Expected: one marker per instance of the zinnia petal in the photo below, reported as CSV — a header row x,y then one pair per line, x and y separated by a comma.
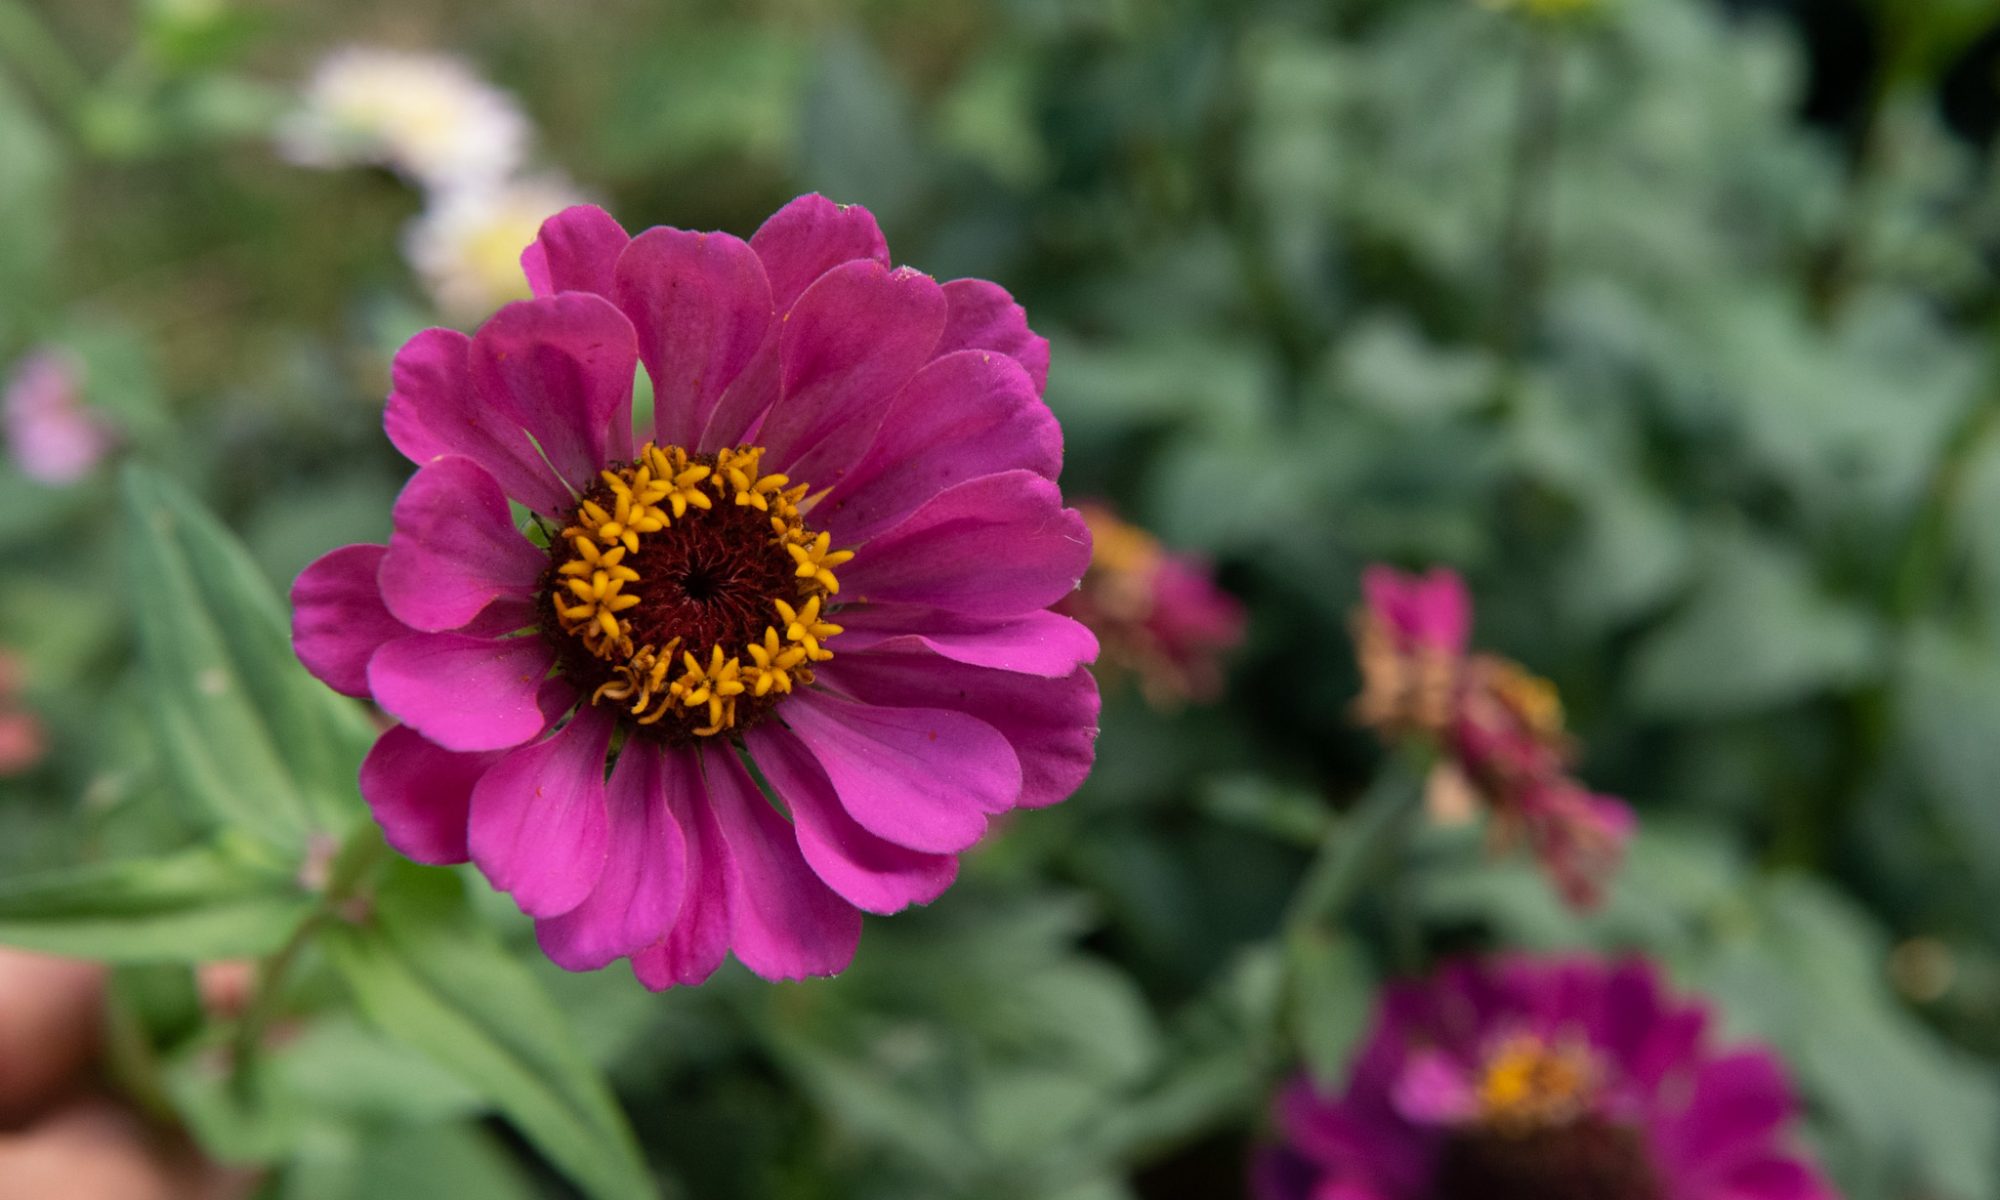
x,y
700,937
464,693
421,794
539,828
811,236
702,308
338,618
1034,643
638,897
561,368
433,411
455,548
576,251
984,317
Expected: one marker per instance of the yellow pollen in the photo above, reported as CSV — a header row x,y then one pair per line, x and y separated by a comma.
x,y
596,589
1530,1084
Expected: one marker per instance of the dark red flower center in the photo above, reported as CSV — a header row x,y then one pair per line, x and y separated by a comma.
x,y
688,592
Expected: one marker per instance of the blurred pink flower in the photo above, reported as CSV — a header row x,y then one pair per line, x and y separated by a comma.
x,y
683,592
51,435
1566,1079
1157,614
23,742
1499,727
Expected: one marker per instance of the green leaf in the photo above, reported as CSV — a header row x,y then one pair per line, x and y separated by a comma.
x,y
1332,991
194,906
249,739
431,976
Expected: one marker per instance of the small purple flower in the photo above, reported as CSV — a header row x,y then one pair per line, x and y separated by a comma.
x,y
829,560
1564,1079
51,435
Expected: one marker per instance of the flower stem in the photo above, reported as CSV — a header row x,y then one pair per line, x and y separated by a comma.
x,y
352,870
1357,848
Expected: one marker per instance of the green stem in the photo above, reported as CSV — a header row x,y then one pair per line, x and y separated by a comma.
x,y
1357,848
351,871
1524,229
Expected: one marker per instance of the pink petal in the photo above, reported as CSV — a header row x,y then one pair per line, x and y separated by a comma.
x,y
539,829
786,923
464,693
338,620
1739,1101
1775,1178
1432,610
869,873
561,369
984,317
700,937
922,778
433,411
811,236
702,308
854,339
1051,723
963,416
421,794
455,548
638,898
576,251
998,546
1035,643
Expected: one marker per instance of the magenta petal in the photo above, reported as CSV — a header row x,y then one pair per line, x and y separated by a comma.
x,y
539,830
984,317
338,620
998,546
1774,1178
1036,643
433,411
786,923
869,873
638,897
455,548
922,778
1051,723
561,369
702,308
421,794
1739,1100
576,251
963,416
811,236
847,347
464,693
700,937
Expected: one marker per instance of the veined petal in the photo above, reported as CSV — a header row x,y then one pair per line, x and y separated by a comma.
x,y
922,778
464,693
984,317
638,898
455,549
1035,643
702,308
433,410
872,874
785,922
700,937
561,369
811,236
421,794
576,251
538,827
338,618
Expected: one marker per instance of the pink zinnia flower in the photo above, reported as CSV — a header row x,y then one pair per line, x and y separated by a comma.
x,y
1499,728
51,435
1159,614
830,559
1543,1079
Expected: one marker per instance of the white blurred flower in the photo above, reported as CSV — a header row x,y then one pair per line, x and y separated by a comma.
x,y
51,435
427,116
467,245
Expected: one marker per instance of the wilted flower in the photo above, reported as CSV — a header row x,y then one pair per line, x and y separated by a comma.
x,y
1556,1079
1158,614
466,245
427,116
51,435
830,560
1500,728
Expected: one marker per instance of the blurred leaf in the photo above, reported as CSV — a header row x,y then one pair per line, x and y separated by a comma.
x,y
1332,996
857,135
248,737
195,906
1948,711
428,974
1757,633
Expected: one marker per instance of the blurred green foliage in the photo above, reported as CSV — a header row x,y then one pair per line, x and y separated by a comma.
x,y
1704,401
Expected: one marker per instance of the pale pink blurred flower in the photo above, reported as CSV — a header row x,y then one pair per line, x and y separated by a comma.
x,y
51,435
